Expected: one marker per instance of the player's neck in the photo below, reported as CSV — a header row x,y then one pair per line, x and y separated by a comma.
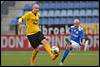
x,y
76,27
34,13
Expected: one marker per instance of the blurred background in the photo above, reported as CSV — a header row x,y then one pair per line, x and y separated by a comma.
x,y
55,19
52,13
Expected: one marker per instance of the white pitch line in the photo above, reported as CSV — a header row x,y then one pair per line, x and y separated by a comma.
x,y
46,54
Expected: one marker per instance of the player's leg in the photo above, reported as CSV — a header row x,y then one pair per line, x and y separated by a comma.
x,y
34,53
66,52
34,44
86,46
48,49
70,44
42,40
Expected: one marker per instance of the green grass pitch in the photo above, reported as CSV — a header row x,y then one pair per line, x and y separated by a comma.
x,y
75,58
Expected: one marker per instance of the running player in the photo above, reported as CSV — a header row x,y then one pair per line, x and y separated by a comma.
x,y
76,39
33,32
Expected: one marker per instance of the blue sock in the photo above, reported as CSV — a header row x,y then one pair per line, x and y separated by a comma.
x,y
65,54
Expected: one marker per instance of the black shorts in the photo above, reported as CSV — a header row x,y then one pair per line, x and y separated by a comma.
x,y
35,39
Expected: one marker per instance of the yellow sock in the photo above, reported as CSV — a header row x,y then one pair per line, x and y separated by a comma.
x,y
48,49
34,53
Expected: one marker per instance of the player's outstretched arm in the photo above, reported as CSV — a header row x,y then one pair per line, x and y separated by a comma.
x,y
25,16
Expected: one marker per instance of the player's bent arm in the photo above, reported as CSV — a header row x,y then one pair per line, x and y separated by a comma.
x,y
24,17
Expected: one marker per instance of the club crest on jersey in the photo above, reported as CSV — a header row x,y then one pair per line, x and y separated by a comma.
x,y
35,21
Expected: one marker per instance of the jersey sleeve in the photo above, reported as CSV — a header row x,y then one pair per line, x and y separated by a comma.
x,y
24,17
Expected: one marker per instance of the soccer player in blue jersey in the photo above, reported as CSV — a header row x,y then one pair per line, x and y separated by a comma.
x,y
75,40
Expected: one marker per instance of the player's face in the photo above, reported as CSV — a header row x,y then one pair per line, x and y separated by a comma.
x,y
76,24
35,8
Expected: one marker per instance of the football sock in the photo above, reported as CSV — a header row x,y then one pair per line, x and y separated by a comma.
x,y
65,54
34,53
48,49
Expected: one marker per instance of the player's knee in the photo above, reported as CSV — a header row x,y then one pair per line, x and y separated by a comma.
x,y
36,48
44,41
68,47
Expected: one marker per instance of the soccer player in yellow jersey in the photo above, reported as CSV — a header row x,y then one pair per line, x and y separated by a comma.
x,y
33,32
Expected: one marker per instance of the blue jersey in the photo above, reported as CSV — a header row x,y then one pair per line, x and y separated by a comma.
x,y
77,34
